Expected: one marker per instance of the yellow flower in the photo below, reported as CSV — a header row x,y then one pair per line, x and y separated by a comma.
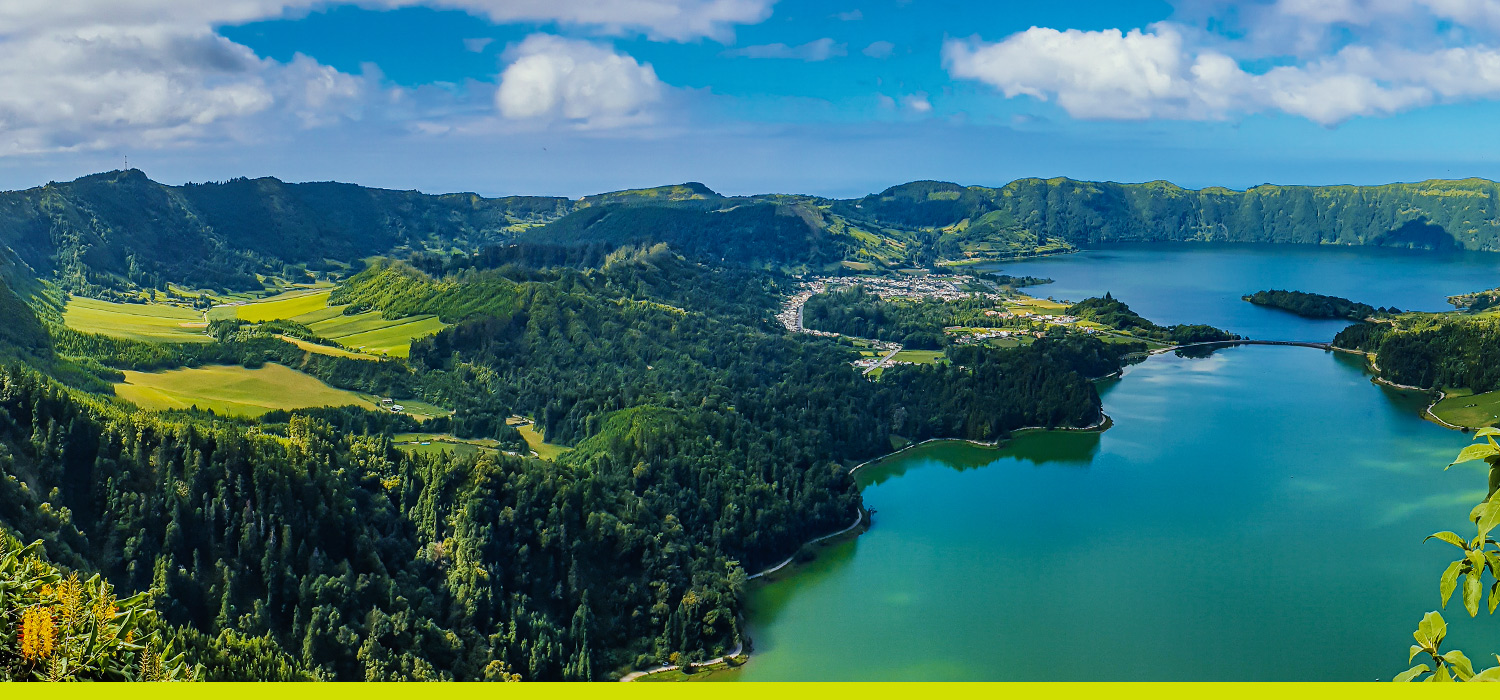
x,y
38,633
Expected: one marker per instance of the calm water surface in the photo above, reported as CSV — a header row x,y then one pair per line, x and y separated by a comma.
x,y
1254,515
1203,283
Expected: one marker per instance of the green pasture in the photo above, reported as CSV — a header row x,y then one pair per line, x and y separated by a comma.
x,y
145,322
233,390
1463,407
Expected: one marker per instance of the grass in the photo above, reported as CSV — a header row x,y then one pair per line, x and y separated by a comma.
x,y
1463,407
542,448
283,306
368,332
921,357
438,443
326,349
160,323
233,390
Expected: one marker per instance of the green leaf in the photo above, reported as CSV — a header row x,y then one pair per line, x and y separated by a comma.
x,y
1431,630
1449,537
1490,675
1411,673
1476,560
1473,452
1472,592
1494,596
1460,664
1450,581
1486,432
1489,517
1414,651
1440,676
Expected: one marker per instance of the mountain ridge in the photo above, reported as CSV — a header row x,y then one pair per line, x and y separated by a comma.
x,y
122,230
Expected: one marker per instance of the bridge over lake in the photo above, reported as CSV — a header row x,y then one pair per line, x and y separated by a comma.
x,y
1224,344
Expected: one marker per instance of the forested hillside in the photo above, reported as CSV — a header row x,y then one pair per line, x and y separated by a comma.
x,y
120,230
1434,214
707,443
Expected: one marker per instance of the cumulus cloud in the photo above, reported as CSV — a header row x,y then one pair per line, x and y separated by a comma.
x,y
551,78
1170,72
92,74
818,50
917,103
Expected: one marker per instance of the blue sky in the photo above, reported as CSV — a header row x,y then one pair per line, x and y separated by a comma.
x,y
826,97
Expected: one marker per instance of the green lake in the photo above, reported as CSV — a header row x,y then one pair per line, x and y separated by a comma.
x,y
1257,514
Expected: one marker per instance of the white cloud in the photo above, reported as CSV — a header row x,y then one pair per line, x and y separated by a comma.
x,y
917,103
818,50
1161,74
555,79
879,49
851,16
95,74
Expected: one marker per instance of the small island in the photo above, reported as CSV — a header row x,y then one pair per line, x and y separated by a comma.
x,y
1311,305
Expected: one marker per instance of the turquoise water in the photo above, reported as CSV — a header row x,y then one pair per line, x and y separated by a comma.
x,y
1257,514
1203,283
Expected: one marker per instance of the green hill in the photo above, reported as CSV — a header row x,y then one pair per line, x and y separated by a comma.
x,y
120,230
1433,214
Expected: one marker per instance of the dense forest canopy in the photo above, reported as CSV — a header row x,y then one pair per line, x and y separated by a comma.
x,y
1313,305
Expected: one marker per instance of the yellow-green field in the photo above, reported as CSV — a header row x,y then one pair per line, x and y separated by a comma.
x,y
437,443
288,305
921,357
147,322
326,349
1463,407
232,390
543,449
367,332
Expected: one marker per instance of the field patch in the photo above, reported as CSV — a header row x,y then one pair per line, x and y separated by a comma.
x,y
542,448
233,390
1462,407
920,357
152,323
437,443
371,333
325,349
283,306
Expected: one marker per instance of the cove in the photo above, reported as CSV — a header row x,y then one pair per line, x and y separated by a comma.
x,y
1253,515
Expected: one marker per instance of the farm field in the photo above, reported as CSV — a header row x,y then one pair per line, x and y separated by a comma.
x,y
369,332
542,448
145,322
233,390
921,357
438,443
325,349
1462,407
288,305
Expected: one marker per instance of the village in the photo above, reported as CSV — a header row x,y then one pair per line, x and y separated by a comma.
x,y
1032,322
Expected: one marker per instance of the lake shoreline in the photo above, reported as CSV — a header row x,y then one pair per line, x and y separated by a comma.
x,y
739,655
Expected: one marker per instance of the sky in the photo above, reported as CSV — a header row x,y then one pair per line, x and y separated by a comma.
x,y
827,97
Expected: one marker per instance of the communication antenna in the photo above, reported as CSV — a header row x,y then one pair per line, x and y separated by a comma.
x,y
127,162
